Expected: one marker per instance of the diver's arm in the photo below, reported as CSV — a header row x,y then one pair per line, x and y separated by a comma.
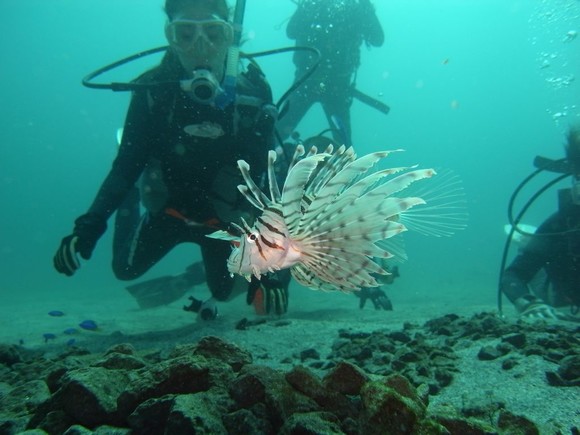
x,y
297,22
130,161
373,33
527,264
92,225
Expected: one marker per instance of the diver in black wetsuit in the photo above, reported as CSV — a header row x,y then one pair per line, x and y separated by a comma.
x,y
178,156
555,247
337,28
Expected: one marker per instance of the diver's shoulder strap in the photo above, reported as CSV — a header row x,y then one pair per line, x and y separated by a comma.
x,y
253,82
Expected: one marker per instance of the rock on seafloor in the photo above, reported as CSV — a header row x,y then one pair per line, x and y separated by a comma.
x,y
214,387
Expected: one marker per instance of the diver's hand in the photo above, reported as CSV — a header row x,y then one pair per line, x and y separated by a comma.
x,y
88,229
269,296
66,259
378,297
206,310
539,310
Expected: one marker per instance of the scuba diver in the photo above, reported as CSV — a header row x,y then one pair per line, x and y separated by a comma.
x,y
337,29
190,120
553,251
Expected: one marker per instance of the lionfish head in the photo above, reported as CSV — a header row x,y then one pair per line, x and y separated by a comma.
x,y
258,251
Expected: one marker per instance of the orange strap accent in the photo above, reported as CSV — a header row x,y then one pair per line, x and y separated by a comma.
x,y
211,223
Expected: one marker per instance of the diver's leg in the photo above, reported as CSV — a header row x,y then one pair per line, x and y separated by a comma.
x,y
215,254
298,104
152,238
127,219
336,104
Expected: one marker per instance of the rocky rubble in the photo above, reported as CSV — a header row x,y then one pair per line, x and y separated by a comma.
x,y
372,383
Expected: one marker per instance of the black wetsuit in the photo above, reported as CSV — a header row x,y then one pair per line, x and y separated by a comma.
x,y
558,254
180,156
337,29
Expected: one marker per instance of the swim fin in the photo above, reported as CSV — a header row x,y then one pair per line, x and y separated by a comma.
x,y
166,289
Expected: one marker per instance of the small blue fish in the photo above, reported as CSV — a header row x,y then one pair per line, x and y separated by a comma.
x,y
89,325
70,331
48,336
71,342
56,313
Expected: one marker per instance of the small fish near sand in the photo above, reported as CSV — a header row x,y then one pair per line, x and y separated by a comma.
x,y
330,222
48,336
89,325
56,313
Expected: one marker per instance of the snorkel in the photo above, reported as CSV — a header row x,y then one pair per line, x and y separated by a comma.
x,y
230,80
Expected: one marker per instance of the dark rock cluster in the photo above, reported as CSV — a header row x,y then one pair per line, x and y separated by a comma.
x,y
557,343
372,383
426,355
408,352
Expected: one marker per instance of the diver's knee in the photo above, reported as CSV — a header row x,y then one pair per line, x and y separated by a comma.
x,y
124,273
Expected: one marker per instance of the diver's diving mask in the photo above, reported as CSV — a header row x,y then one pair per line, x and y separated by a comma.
x,y
184,34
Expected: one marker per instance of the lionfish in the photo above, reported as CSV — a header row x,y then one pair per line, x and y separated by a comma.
x,y
328,222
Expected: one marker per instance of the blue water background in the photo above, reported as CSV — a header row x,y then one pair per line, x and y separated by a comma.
x,y
463,79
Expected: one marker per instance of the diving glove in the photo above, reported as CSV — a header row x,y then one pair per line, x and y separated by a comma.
x,y
206,310
377,296
535,308
88,229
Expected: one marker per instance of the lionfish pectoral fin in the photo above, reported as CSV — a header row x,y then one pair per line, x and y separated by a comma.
x,y
223,235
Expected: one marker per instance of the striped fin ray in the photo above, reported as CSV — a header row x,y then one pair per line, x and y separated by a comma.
x,y
308,279
346,240
350,195
343,255
363,206
340,184
330,168
349,273
272,183
251,191
396,247
446,209
294,186
298,152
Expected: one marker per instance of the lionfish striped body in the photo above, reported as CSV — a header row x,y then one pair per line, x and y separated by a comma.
x,y
326,222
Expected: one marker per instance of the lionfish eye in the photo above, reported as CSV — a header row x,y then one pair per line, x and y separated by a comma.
x,y
252,237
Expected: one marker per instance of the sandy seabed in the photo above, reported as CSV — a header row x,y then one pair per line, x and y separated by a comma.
x,y
313,322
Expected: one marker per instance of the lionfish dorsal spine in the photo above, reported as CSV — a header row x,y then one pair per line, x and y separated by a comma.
x,y
272,181
329,168
251,191
339,184
298,152
294,188
404,180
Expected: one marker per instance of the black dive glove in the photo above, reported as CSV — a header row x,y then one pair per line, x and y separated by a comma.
x,y
88,229
378,297
268,295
